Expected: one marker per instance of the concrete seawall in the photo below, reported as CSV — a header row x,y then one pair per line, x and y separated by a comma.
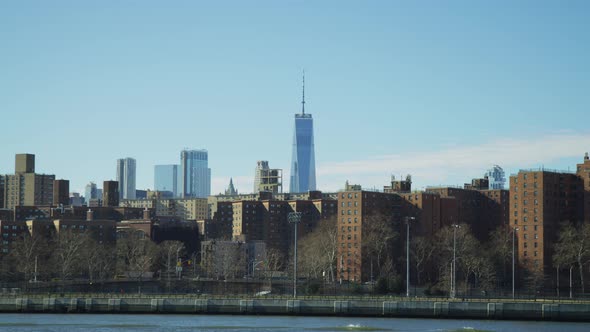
x,y
326,307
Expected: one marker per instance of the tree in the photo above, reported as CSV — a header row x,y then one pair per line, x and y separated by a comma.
x,y
99,260
421,249
66,254
171,251
571,249
378,237
467,250
317,251
27,254
137,255
499,249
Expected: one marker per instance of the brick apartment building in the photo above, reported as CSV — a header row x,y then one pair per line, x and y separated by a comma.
x,y
540,201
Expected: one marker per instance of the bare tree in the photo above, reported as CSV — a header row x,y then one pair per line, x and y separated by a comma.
x,y
317,251
66,254
171,251
378,237
422,250
99,260
572,248
137,255
499,250
27,254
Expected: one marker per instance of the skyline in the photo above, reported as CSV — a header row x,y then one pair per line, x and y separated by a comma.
x,y
439,91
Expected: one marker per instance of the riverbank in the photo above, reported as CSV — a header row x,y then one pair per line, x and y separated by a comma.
x,y
536,310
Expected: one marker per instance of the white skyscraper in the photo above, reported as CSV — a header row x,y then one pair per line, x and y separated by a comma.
x,y
126,178
195,173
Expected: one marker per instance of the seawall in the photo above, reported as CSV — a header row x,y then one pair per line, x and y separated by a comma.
x,y
537,310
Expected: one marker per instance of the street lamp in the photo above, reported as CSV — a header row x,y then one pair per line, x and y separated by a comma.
x,y
514,229
408,219
454,267
294,218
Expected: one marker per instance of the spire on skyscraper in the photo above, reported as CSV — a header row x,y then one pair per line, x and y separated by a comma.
x,y
303,99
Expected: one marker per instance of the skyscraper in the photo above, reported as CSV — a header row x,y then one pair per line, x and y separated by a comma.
x,y
166,179
91,192
302,177
126,178
195,173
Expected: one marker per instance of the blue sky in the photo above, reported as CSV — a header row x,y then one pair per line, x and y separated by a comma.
x,y
438,89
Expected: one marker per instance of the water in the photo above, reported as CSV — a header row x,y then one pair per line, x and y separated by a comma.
x,y
225,323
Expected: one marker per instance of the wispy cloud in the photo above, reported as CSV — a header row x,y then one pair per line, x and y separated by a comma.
x,y
454,164
451,165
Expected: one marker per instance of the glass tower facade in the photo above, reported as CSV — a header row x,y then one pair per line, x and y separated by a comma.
x,y
126,178
167,179
302,177
195,173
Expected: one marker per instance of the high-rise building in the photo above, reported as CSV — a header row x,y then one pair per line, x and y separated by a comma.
x,y
167,178
540,200
195,173
302,176
266,179
25,187
61,192
126,178
110,195
91,192
583,171
496,177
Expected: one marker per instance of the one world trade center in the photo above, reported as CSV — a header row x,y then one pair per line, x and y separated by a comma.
x,y
302,178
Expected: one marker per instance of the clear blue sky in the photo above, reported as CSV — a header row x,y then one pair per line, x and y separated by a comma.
x,y
440,89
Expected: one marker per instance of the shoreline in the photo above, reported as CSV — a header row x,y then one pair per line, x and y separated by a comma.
x,y
394,308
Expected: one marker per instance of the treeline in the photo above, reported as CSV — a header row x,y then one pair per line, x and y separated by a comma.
x,y
77,256
480,266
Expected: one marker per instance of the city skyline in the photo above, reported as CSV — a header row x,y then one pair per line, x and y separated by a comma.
x,y
442,92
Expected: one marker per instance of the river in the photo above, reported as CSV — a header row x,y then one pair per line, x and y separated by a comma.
x,y
226,323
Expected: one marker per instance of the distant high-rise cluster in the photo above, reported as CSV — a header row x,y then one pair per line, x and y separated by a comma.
x,y
195,173
302,177
126,178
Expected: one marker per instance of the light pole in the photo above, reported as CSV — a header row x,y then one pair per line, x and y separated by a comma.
x,y
514,229
294,218
454,267
408,219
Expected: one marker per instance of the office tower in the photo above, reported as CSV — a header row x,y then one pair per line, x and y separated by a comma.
x,y
303,158
496,177
166,178
61,192
126,178
25,187
195,173
91,192
110,193
266,179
